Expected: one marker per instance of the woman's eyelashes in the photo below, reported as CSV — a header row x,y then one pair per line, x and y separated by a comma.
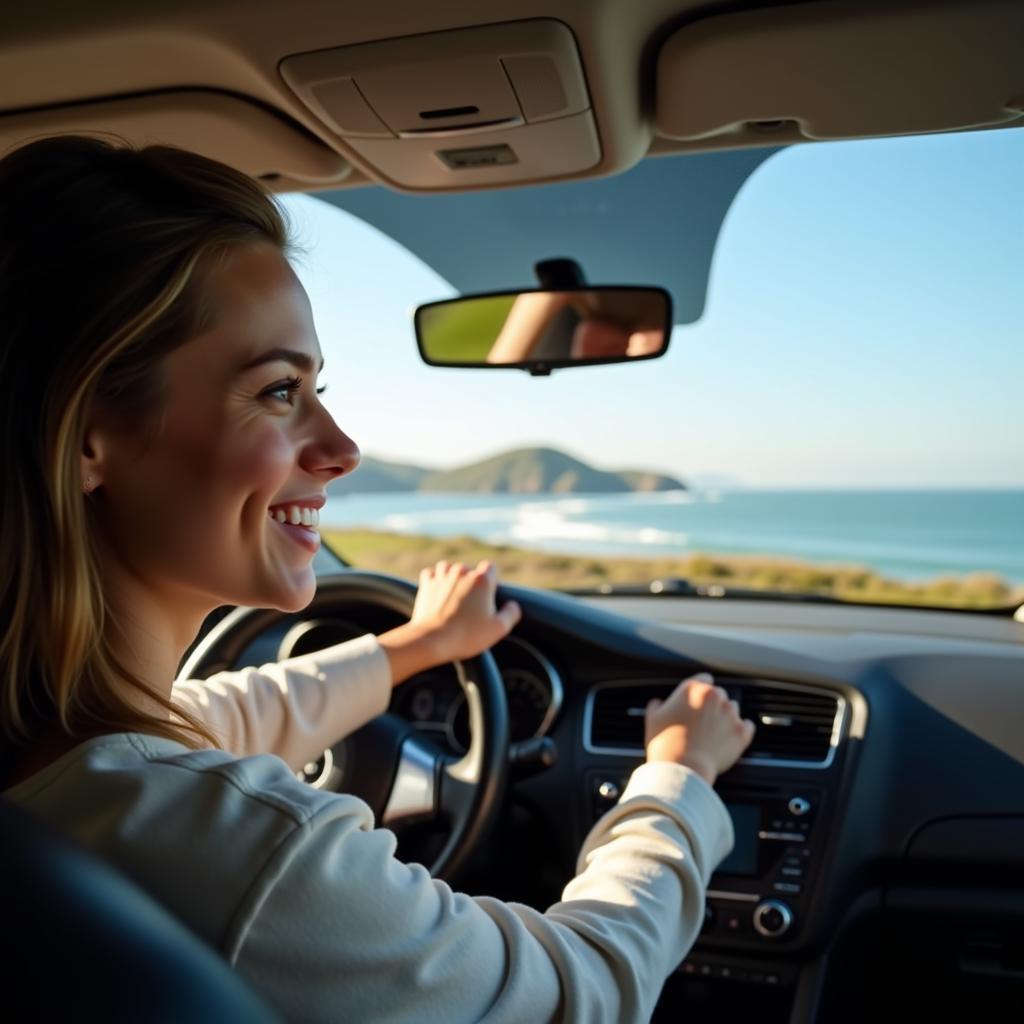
x,y
286,390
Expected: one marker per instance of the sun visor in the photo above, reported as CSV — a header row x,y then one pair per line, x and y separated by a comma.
x,y
228,128
840,71
494,105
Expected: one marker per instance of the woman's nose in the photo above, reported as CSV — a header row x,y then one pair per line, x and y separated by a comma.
x,y
330,452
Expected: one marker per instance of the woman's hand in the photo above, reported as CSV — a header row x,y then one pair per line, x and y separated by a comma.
x,y
457,603
697,726
454,617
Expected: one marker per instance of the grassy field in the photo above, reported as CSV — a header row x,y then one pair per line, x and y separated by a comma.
x,y
464,332
406,554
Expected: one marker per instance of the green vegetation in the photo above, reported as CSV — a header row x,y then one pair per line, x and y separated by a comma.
x,y
521,471
404,555
464,331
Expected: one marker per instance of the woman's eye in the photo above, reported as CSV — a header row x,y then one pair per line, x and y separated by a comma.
x,y
284,390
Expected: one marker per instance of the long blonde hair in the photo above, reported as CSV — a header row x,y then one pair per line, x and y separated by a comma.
x,y
103,254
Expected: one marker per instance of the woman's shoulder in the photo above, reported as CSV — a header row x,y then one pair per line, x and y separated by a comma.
x,y
134,772
257,782
195,828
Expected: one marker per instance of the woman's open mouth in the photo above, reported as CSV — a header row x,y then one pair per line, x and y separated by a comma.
x,y
300,522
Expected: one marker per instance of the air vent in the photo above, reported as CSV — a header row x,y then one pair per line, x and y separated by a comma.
x,y
795,725
617,714
792,725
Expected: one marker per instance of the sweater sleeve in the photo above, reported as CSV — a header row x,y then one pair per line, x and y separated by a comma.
x,y
294,708
338,928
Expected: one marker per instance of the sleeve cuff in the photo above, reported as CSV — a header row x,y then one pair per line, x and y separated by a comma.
x,y
681,793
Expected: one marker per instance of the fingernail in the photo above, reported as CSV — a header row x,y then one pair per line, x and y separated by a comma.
x,y
704,677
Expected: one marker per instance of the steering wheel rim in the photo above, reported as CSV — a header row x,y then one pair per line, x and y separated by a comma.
x,y
424,782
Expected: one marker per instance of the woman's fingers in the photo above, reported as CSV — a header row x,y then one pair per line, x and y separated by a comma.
x,y
508,615
461,602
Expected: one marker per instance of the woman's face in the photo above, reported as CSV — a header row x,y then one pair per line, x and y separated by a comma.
x,y
191,510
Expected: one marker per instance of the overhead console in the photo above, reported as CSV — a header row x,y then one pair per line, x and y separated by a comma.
x,y
495,105
837,70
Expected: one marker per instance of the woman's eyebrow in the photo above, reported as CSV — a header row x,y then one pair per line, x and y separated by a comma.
x,y
300,360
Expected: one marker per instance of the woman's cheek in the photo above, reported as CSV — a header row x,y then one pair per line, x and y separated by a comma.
x,y
263,465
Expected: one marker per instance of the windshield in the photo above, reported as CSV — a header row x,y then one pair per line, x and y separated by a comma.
x,y
837,415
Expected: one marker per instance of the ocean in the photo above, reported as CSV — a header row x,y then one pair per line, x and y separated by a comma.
x,y
905,534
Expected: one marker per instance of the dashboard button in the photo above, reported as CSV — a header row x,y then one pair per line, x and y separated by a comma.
x,y
788,887
732,921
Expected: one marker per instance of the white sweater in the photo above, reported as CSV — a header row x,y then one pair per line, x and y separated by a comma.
x,y
301,893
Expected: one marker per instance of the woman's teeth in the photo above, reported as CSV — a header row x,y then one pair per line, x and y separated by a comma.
x,y
295,515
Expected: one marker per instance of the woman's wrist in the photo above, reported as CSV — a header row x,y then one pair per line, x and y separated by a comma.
x,y
702,766
411,648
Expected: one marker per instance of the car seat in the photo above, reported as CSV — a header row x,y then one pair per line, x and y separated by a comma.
x,y
78,940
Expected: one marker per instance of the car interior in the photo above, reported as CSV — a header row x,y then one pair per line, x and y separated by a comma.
x,y
878,869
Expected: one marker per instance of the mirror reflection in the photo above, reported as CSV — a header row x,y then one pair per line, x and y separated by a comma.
x,y
545,328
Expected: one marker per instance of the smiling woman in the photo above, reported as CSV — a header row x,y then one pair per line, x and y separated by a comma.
x,y
123,236
178,454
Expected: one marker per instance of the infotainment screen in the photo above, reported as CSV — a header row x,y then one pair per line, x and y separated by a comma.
x,y
746,821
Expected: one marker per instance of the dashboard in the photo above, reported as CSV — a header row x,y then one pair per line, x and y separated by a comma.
x,y
879,814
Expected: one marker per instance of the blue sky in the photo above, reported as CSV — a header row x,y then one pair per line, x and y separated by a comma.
x,y
863,328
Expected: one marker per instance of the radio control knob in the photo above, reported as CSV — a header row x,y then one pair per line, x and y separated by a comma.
x,y
608,791
772,918
798,807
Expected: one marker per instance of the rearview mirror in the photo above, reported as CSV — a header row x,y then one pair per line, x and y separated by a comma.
x,y
539,331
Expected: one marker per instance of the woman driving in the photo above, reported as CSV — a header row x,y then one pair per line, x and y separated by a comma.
x,y
165,452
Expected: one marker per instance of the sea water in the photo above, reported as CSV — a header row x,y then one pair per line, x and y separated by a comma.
x,y
907,534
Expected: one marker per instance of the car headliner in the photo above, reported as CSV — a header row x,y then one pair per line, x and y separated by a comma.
x,y
657,224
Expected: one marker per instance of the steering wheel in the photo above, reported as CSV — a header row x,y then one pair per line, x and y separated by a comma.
x,y
402,775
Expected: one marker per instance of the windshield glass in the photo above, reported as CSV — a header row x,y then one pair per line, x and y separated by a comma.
x,y
837,415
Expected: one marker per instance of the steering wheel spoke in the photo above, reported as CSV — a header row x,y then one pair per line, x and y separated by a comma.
x,y
415,793
458,780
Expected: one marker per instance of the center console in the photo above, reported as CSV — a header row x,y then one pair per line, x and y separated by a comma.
x,y
758,897
760,891
761,915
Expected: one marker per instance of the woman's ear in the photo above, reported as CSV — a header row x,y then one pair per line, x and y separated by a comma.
x,y
92,463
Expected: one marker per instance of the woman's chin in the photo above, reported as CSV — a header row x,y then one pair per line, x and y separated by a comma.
x,y
294,594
